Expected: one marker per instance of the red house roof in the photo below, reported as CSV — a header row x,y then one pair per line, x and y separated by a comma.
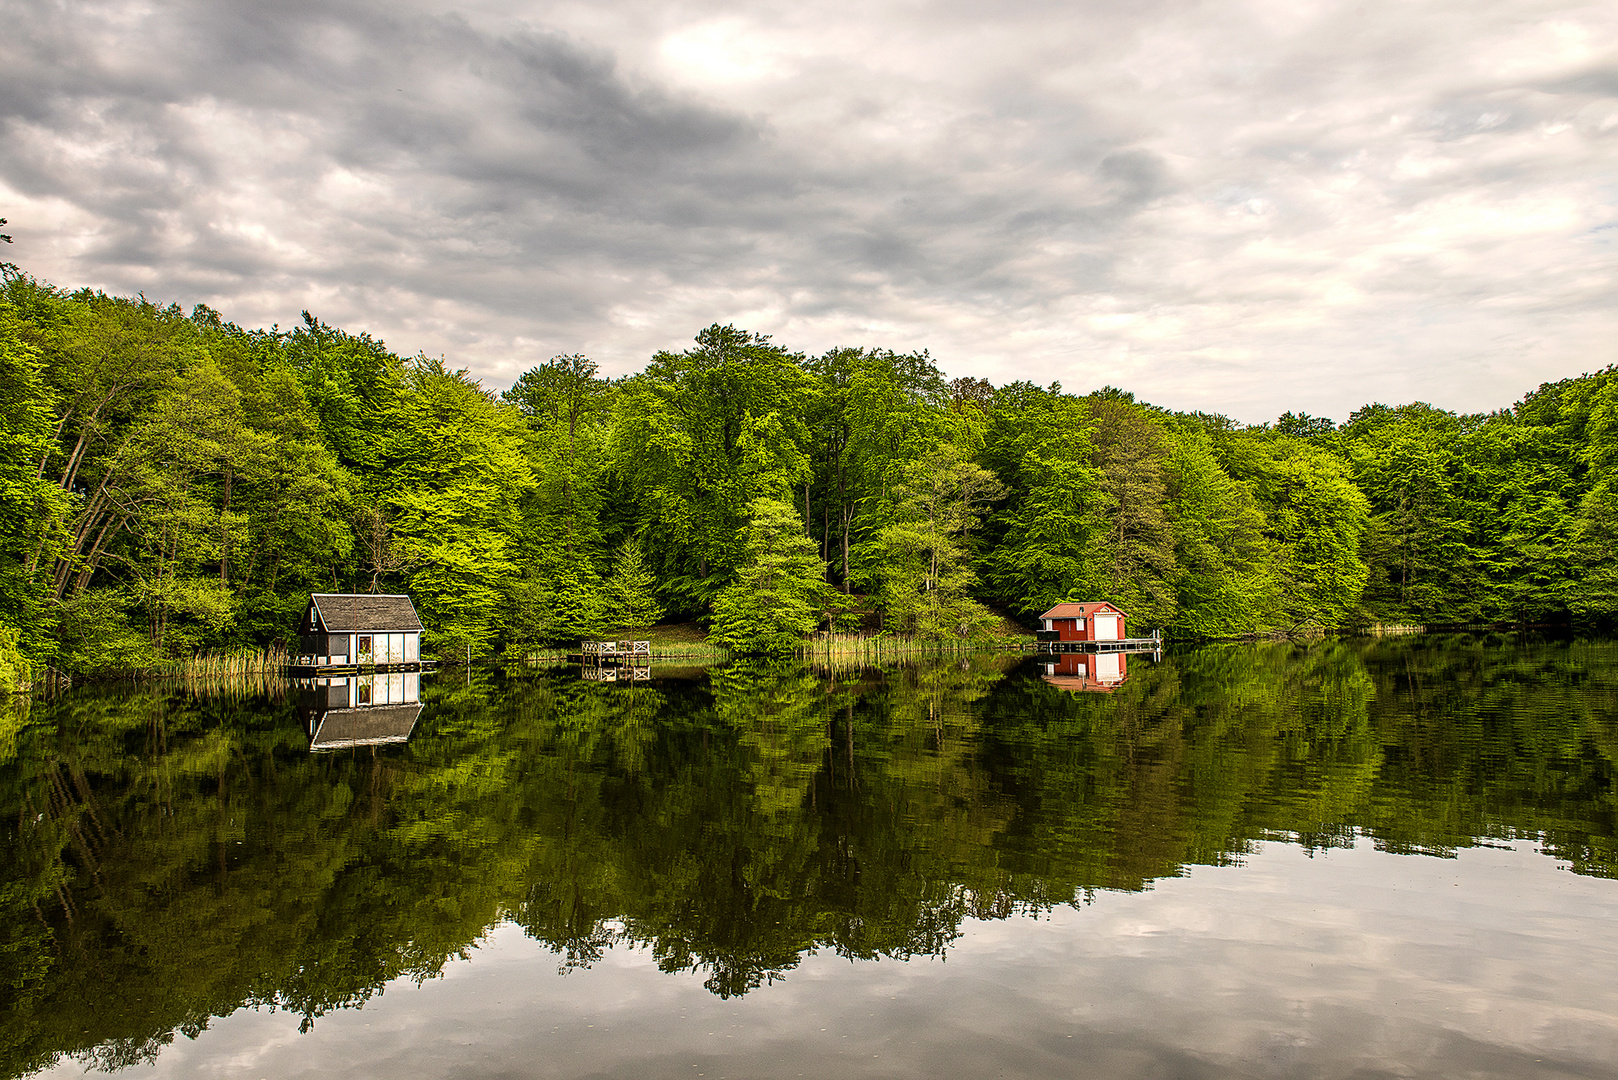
x,y
1079,611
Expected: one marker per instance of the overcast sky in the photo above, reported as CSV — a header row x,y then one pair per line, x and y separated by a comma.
x,y
1240,206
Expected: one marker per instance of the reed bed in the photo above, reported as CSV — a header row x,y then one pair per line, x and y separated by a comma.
x,y
272,684
854,649
226,665
689,650
545,657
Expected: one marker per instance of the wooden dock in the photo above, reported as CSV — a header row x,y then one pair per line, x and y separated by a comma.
x,y
301,667
615,661
1145,644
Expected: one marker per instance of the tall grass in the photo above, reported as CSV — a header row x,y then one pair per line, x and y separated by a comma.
x,y
270,661
544,657
875,649
699,651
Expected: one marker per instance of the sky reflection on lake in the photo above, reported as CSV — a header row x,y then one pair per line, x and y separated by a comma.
x,y
1353,962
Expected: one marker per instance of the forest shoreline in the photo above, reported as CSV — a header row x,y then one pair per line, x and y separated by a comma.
x,y
174,486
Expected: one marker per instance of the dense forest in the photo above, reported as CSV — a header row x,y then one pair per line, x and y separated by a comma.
x,y
171,482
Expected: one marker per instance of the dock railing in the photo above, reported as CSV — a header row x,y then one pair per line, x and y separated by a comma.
x,y
628,650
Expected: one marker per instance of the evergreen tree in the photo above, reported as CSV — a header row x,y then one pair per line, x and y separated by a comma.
x,y
926,567
631,590
775,599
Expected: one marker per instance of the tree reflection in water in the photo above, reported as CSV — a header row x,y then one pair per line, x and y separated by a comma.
x,y
173,855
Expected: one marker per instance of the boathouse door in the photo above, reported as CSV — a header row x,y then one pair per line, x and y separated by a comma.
x,y
1106,627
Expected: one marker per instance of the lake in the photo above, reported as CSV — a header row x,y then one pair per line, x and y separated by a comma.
x,y
1336,858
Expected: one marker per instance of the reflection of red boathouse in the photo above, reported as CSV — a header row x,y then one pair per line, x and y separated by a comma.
x,y
1103,672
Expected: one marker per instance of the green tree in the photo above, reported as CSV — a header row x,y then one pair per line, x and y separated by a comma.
x,y
1223,583
1046,540
696,437
32,509
774,602
457,476
924,554
631,595
1315,521
1137,569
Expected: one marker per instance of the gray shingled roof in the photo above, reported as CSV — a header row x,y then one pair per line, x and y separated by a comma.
x,y
1072,610
364,611
365,727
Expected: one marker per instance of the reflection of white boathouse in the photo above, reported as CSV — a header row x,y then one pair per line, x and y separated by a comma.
x,y
358,630
345,711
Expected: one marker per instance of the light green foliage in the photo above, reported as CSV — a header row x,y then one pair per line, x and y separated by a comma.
x,y
1223,562
456,476
1411,464
926,577
16,670
630,591
172,465
1315,521
775,598
95,633
350,383
881,411
565,409
1137,567
32,509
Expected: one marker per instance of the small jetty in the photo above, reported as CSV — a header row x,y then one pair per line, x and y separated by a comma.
x,y
1145,644
350,633
615,661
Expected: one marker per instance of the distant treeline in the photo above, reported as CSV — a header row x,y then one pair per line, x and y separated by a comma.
x,y
172,482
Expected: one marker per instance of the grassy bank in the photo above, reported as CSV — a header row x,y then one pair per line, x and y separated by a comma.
x,y
686,642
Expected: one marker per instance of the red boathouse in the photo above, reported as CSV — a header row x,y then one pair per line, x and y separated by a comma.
x,y
1092,620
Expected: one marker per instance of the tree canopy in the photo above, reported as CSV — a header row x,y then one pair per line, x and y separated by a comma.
x,y
173,482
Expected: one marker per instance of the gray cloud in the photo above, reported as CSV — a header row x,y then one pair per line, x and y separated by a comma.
x,y
1247,207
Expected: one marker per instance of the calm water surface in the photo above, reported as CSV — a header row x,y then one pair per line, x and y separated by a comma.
x,y
1363,858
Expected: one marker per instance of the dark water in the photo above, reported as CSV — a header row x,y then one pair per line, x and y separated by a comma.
x,y
1364,858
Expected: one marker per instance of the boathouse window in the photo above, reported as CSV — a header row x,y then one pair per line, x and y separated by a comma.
x,y
365,644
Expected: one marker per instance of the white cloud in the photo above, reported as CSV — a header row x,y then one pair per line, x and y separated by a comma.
x,y
1246,207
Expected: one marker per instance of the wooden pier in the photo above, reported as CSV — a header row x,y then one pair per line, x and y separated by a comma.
x,y
305,666
615,661
1146,644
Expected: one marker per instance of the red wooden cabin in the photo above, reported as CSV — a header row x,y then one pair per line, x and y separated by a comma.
x,y
1092,620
